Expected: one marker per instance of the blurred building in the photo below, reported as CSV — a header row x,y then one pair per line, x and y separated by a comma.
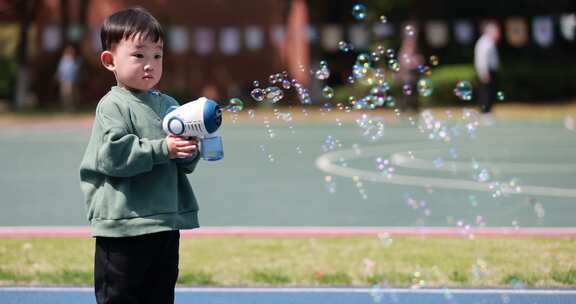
x,y
217,48
213,48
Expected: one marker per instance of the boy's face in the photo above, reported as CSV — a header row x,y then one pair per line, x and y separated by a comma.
x,y
136,63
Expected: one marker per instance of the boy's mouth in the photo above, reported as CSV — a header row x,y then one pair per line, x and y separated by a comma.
x,y
148,77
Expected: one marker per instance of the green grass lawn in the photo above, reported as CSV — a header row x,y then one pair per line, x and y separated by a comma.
x,y
346,261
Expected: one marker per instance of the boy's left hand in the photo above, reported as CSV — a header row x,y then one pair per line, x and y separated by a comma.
x,y
184,147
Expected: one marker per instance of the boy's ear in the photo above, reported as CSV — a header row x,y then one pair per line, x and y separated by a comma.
x,y
107,59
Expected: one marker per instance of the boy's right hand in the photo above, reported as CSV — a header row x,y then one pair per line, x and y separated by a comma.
x,y
179,147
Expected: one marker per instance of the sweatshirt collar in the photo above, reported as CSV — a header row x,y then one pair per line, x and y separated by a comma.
x,y
142,96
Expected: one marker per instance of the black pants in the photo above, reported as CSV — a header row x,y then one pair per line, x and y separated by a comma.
x,y
487,93
140,269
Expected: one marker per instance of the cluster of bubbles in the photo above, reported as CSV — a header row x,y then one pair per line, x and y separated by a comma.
x,y
436,129
374,70
418,280
269,155
323,72
282,116
359,11
385,167
330,144
275,91
417,205
465,229
235,105
330,184
345,47
360,187
463,90
372,127
270,132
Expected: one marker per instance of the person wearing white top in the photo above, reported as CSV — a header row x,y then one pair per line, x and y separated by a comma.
x,y
486,62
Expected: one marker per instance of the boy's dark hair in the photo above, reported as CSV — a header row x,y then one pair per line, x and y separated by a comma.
x,y
128,23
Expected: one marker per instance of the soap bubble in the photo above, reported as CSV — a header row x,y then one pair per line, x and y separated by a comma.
x,y
407,89
273,94
424,70
500,95
372,127
330,184
363,59
256,83
425,88
330,143
327,92
393,65
463,90
380,76
257,94
483,176
344,47
383,19
286,84
251,114
359,11
235,105
409,30
434,60
378,93
359,71
323,73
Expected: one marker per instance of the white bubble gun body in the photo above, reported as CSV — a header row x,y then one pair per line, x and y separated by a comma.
x,y
200,118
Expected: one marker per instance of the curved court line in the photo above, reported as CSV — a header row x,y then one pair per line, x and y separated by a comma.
x,y
403,159
326,163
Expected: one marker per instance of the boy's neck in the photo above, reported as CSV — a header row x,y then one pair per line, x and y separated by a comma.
x,y
132,90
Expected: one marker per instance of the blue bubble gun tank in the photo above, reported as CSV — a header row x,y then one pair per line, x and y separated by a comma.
x,y
200,118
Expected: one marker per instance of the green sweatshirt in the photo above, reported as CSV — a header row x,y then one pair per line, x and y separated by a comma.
x,y
130,184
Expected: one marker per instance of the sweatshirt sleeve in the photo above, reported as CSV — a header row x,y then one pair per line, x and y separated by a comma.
x,y
188,164
122,154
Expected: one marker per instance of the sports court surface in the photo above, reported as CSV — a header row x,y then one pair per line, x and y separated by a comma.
x,y
516,174
318,174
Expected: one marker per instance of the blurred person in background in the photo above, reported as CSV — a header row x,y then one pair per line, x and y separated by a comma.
x,y
67,74
486,63
410,59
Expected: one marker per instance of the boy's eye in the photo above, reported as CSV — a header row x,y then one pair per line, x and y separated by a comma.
x,y
157,56
138,55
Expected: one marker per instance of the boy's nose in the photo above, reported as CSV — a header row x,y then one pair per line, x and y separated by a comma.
x,y
148,67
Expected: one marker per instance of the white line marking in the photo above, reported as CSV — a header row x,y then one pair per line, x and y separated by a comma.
x,y
326,163
313,290
403,159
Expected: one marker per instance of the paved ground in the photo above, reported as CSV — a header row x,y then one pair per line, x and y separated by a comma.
x,y
307,185
306,295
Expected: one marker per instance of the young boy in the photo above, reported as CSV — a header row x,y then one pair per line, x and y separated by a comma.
x,y
137,196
